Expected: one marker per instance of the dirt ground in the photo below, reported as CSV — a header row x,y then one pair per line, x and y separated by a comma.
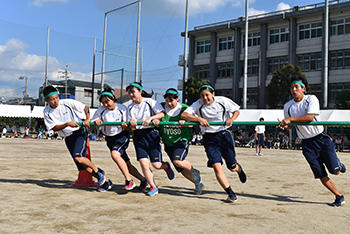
x,y
280,195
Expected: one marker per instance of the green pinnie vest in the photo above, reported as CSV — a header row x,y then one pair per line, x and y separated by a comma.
x,y
174,133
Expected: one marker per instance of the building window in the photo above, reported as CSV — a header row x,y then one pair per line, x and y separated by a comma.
x,y
253,67
252,96
201,72
224,92
87,93
224,70
340,26
340,59
279,35
253,39
203,46
276,63
307,31
225,43
310,62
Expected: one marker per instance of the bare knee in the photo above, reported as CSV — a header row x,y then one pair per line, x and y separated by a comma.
x,y
157,165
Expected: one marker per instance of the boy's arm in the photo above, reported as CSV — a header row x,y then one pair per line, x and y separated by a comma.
x,y
233,118
189,117
297,119
86,122
59,127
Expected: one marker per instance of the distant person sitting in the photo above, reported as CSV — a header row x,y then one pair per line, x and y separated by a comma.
x,y
260,137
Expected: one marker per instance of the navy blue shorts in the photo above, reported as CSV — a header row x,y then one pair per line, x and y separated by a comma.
x,y
260,139
319,152
178,151
76,144
147,143
119,143
220,145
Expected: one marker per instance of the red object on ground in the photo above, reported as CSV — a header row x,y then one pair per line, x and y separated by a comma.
x,y
84,177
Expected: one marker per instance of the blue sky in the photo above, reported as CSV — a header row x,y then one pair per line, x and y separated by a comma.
x,y
74,23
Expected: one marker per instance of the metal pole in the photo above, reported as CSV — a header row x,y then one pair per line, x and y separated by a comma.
x,y
93,74
137,40
121,85
325,58
245,78
184,78
47,54
103,51
26,87
141,64
66,81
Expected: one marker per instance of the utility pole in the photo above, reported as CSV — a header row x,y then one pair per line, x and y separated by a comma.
x,y
25,94
325,56
184,78
65,76
93,74
138,41
47,54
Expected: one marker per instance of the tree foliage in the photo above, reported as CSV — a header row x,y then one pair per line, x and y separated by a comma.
x,y
343,99
278,90
192,86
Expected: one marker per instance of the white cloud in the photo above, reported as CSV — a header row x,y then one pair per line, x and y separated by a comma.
x,y
282,6
252,11
40,3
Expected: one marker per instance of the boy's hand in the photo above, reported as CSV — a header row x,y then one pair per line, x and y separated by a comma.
x,y
229,122
98,122
133,122
156,122
182,122
125,126
203,122
72,124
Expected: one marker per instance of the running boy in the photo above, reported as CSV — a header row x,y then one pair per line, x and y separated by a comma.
x,y
62,116
217,140
117,137
176,139
317,146
146,139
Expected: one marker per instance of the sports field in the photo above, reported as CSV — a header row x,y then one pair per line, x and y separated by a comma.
x,y
280,195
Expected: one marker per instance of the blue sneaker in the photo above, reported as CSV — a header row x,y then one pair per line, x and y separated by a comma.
x,y
196,176
199,188
152,192
169,171
241,174
105,187
342,168
231,198
100,177
339,201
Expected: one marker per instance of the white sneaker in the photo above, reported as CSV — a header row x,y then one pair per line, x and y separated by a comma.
x,y
257,154
260,154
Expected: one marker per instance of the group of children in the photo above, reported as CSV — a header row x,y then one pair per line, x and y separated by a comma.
x,y
63,116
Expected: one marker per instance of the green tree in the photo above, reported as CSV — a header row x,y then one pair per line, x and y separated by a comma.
x,y
278,89
343,99
192,86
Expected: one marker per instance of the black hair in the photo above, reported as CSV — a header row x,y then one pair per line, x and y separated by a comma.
x,y
171,96
49,89
205,86
143,93
261,119
107,90
302,79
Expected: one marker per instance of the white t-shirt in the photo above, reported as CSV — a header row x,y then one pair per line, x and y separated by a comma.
x,y
309,105
119,114
147,108
260,129
66,111
173,112
220,110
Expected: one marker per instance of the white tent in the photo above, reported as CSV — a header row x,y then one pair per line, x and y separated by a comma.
x,y
15,111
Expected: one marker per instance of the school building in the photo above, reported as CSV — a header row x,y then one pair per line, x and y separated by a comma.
x,y
295,36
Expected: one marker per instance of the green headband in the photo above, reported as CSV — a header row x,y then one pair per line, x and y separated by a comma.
x,y
172,92
107,94
299,82
207,86
137,86
50,94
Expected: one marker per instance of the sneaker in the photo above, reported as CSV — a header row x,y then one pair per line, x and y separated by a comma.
x,y
100,177
257,154
242,176
196,176
152,192
339,200
129,185
143,185
169,171
342,168
231,198
260,154
198,188
105,187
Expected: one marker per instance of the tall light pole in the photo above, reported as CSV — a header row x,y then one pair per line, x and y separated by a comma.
x,y
65,76
138,41
245,78
325,56
184,78
47,54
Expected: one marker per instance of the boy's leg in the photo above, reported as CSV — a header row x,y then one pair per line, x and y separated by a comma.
x,y
117,158
220,175
144,163
330,185
134,172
